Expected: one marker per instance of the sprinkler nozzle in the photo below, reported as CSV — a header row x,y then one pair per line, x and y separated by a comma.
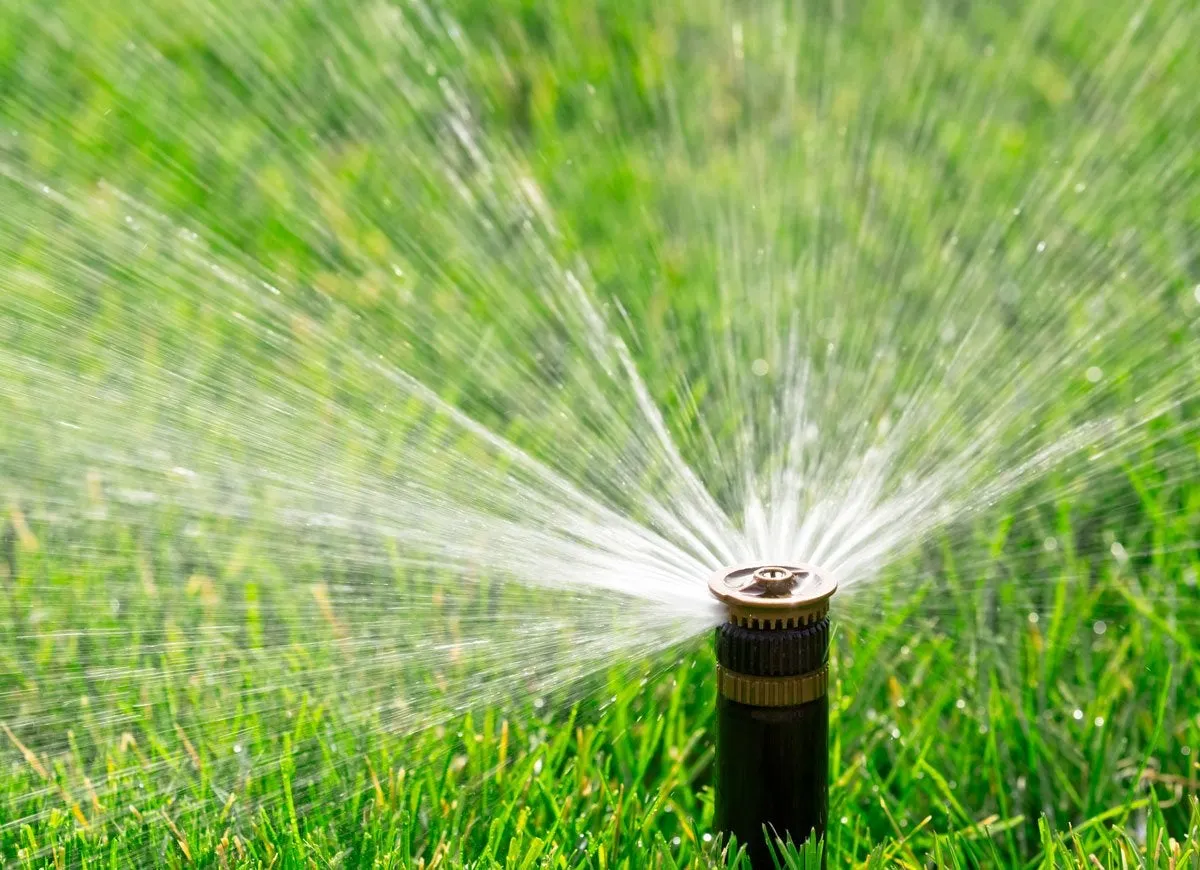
x,y
773,596
775,580
772,708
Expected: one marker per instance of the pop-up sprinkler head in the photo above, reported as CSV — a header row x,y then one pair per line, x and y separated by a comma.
x,y
772,709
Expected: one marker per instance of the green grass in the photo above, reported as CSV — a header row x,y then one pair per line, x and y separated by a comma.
x,y
997,700
951,744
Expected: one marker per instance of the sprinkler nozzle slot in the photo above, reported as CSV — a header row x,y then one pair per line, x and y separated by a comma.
x,y
772,707
775,580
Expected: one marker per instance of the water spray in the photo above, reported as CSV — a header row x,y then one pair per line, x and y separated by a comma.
x,y
772,705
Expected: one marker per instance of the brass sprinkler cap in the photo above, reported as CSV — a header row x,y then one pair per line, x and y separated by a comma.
x,y
773,596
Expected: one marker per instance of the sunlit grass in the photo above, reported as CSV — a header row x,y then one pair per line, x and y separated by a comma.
x,y
971,718
190,681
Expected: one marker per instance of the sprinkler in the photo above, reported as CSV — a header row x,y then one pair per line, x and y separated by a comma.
x,y
772,707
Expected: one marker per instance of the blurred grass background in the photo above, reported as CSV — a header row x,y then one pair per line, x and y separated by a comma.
x,y
1022,692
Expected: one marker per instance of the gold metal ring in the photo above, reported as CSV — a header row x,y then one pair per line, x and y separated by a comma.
x,y
773,691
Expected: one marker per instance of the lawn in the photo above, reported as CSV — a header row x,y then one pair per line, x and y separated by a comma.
x,y
264,267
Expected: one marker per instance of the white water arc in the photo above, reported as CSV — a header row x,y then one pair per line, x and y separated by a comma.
x,y
466,420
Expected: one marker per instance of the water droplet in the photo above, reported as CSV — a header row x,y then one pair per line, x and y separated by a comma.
x,y
1098,721
1099,627
760,367
1021,783
237,749
1050,544
1187,750
707,837
1041,246
1080,187
676,841
1094,374
1118,551
1033,617
1078,714
961,703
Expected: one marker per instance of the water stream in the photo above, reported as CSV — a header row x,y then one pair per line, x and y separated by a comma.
x,y
418,360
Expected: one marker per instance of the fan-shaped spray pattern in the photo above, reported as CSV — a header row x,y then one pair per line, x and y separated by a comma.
x,y
403,401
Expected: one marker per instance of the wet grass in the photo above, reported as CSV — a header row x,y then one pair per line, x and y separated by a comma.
x,y
1021,692
1051,724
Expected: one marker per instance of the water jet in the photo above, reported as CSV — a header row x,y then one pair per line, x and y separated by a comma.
x,y
772,704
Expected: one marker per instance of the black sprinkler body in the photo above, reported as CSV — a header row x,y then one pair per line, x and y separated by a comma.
x,y
772,706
